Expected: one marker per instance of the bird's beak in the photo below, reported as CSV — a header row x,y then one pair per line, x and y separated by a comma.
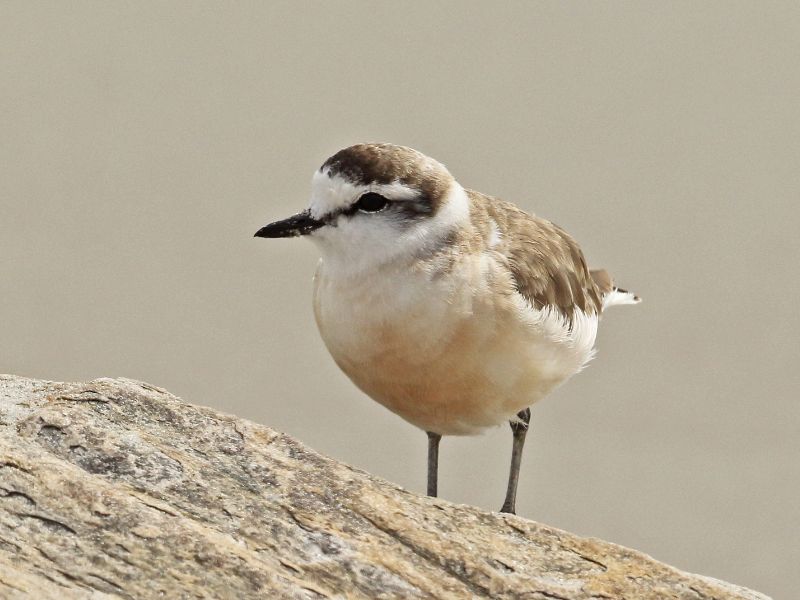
x,y
300,224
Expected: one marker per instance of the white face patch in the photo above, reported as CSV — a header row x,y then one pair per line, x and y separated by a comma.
x,y
354,244
333,193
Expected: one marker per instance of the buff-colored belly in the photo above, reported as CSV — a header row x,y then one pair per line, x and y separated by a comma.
x,y
444,362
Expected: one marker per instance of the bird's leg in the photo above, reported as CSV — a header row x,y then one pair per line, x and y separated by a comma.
x,y
518,429
433,462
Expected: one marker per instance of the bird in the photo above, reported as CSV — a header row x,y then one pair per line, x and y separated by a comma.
x,y
454,309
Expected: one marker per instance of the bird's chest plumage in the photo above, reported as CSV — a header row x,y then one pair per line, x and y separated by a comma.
x,y
440,351
389,326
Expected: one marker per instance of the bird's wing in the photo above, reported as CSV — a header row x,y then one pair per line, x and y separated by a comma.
x,y
547,265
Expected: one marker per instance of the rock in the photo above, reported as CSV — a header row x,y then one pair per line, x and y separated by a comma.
x,y
117,489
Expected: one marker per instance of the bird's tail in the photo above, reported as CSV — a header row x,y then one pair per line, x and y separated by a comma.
x,y
611,294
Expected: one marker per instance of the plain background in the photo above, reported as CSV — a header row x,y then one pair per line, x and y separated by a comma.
x,y
143,143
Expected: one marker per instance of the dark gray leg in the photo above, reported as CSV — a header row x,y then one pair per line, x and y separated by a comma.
x,y
433,462
519,430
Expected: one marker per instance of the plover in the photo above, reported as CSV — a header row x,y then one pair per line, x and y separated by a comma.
x,y
453,309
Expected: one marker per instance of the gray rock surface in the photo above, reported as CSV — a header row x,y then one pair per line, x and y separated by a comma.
x,y
117,489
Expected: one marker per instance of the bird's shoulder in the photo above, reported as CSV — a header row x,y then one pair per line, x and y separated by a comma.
x,y
546,263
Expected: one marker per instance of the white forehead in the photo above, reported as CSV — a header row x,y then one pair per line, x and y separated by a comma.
x,y
332,192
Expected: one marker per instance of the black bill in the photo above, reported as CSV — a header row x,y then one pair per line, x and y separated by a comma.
x,y
300,224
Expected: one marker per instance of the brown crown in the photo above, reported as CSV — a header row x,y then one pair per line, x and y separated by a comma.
x,y
364,164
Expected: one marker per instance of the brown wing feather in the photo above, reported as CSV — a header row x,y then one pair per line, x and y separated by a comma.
x,y
547,265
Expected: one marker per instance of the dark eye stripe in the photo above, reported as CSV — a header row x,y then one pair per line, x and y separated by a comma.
x,y
373,202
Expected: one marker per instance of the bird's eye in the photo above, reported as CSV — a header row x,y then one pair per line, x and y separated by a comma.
x,y
371,202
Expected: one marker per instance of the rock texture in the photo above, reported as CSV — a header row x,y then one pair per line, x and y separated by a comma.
x,y
117,489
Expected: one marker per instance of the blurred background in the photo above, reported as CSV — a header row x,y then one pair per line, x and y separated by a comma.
x,y
143,143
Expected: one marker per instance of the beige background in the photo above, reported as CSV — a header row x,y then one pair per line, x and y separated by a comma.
x,y
144,143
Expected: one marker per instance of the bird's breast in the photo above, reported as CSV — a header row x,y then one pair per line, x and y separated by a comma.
x,y
401,319
446,353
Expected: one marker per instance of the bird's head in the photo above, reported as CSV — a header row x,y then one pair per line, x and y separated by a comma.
x,y
374,203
